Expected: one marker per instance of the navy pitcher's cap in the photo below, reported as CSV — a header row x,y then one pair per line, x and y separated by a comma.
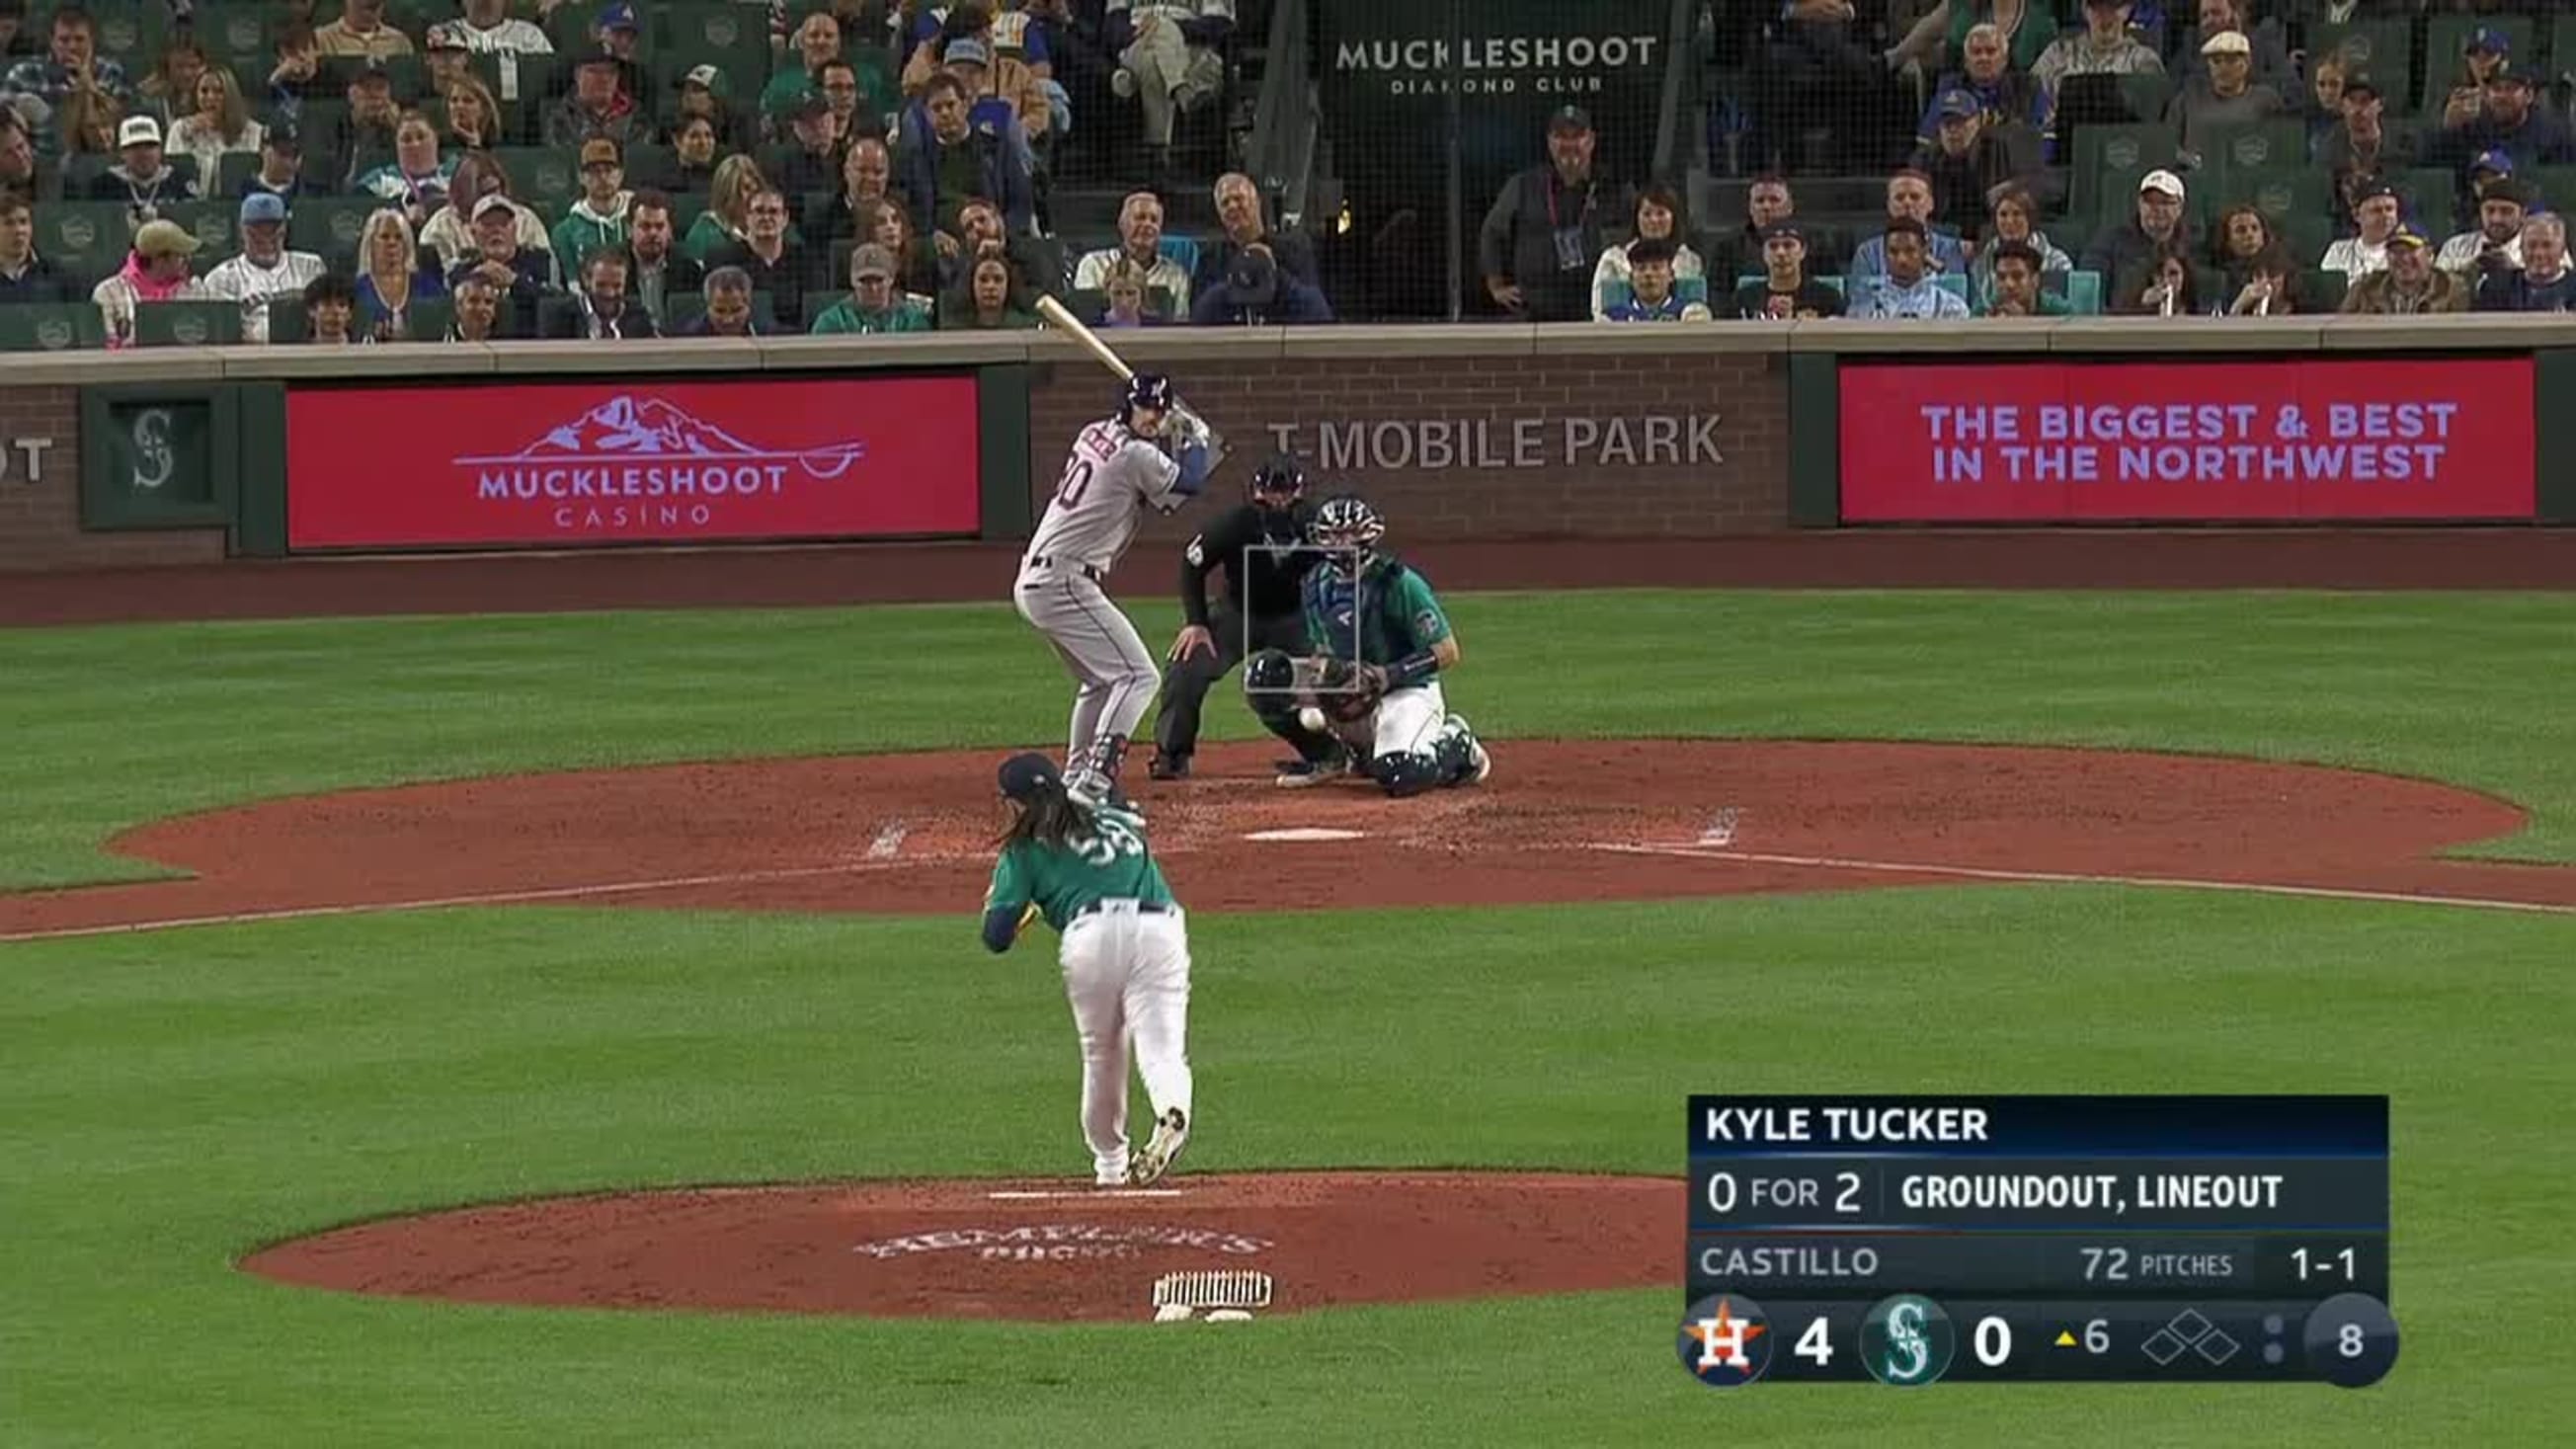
x,y
1025,775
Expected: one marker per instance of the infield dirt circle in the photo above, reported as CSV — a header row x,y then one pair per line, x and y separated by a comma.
x,y
912,833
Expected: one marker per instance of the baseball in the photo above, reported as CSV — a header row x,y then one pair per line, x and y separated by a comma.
x,y
1174,1313
1313,719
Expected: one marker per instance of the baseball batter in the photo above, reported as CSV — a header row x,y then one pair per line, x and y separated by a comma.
x,y
1371,691
1125,952
1150,453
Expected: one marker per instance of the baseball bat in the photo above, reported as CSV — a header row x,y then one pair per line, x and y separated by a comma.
x,y
1061,318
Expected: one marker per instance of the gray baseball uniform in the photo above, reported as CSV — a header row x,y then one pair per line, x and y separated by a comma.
x,y
1112,474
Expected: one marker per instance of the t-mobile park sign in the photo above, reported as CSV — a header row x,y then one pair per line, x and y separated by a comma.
x,y
1649,440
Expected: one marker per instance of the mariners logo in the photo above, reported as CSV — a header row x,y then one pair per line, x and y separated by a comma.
x,y
1726,1340
1907,1341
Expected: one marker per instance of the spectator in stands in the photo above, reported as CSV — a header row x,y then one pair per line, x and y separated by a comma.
x,y
1906,287
450,233
597,108
981,224
446,60
2166,290
1140,241
2495,244
418,177
368,133
866,168
1126,300
2375,211
23,172
705,91
265,270
658,270
1544,233
361,31
219,126
999,89
873,304
389,276
88,122
2484,52
142,178
1661,218
1785,292
729,308
600,309
281,166
330,313
16,41
2103,47
916,262
25,276
2269,46
487,29
1168,61
1814,69
986,304
2004,93
1967,165
817,40
156,270
2020,29
693,157
727,218
70,67
2509,122
937,169
2014,220
1909,198
809,161
774,258
2545,283
169,91
850,115
1256,293
297,76
2015,267
2321,103
1766,200
1240,225
478,312
470,118
2410,284
2241,234
521,272
2126,253
1652,291
2207,106
2270,287
598,217
2362,148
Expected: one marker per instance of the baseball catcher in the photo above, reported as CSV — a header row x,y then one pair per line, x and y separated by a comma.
x,y
1368,691
1261,547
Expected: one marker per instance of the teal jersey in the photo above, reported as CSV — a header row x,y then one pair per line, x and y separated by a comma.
x,y
1112,863
1390,608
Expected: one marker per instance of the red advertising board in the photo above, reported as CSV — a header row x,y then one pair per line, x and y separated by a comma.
x,y
2042,442
632,461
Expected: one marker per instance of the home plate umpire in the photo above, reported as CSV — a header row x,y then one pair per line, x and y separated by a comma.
x,y
1260,546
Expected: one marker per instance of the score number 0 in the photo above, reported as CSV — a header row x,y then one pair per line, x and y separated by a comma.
x,y
1786,1192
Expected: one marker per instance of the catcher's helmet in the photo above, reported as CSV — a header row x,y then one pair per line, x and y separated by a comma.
x,y
1144,390
1279,478
1348,522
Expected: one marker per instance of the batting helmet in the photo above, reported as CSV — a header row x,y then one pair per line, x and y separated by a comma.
x,y
1278,481
1348,522
1144,390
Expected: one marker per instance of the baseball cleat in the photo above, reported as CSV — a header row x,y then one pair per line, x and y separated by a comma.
x,y
1171,1134
1479,764
1315,772
1088,786
1169,767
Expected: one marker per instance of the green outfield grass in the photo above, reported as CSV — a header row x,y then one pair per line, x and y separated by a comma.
x,y
170,1101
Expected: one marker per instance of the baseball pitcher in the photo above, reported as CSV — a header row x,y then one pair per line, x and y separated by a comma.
x,y
1125,951
1151,452
1370,691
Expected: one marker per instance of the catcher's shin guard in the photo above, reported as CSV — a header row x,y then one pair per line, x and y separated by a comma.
x,y
1270,688
1461,760
1408,772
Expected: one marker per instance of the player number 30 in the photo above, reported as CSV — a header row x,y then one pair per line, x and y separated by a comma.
x,y
1780,1192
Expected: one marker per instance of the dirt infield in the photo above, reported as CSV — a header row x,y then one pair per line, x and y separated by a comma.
x,y
2113,558
1041,1251
1561,821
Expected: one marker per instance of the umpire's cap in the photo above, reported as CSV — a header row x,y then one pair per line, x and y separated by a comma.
x,y
1279,473
1023,776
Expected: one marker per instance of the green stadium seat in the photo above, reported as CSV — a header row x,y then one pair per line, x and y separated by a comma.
x,y
430,319
234,172
2325,289
86,232
130,34
2279,192
330,226
238,34
2557,186
545,179
733,38
2562,44
187,324
51,327
2380,49
215,224
2260,146
2432,198
286,320
686,208
645,161
2109,163
2082,290
2443,37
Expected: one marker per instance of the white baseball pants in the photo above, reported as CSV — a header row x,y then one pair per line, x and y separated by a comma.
x,y
1127,976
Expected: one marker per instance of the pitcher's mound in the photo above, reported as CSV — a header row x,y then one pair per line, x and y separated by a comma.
x,y
1045,1251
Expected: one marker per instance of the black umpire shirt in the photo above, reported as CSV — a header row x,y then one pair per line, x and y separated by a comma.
x,y
1267,585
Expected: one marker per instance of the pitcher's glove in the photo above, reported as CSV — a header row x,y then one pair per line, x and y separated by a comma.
x,y
1348,692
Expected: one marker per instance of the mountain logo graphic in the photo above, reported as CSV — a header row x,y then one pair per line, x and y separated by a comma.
x,y
630,429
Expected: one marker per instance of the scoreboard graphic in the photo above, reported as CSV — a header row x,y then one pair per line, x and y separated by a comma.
x,y
1912,1241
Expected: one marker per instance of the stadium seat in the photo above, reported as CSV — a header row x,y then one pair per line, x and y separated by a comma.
x,y
2084,293
1183,250
2443,37
2431,197
2557,186
187,324
131,35
237,33
286,320
329,226
2562,45
2325,289
213,223
545,179
430,319
234,172
2281,192
2380,49
91,234
2109,162
50,327
2259,146
733,38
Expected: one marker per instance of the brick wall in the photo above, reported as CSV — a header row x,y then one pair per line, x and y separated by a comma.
x,y
1495,433
40,516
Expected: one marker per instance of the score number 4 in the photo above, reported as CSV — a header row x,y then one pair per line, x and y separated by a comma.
x,y
1781,1192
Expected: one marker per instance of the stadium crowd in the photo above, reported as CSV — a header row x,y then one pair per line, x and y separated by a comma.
x,y
355,170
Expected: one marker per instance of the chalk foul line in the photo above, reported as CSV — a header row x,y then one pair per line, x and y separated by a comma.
x,y
1696,851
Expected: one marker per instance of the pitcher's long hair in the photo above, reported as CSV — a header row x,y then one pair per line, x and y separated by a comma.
x,y
1051,818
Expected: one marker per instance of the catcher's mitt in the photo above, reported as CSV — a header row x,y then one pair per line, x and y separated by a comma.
x,y
1348,692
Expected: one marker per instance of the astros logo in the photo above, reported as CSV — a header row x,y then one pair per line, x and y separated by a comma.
x,y
1725,1340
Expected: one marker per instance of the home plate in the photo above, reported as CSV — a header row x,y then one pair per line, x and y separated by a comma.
x,y
1306,832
